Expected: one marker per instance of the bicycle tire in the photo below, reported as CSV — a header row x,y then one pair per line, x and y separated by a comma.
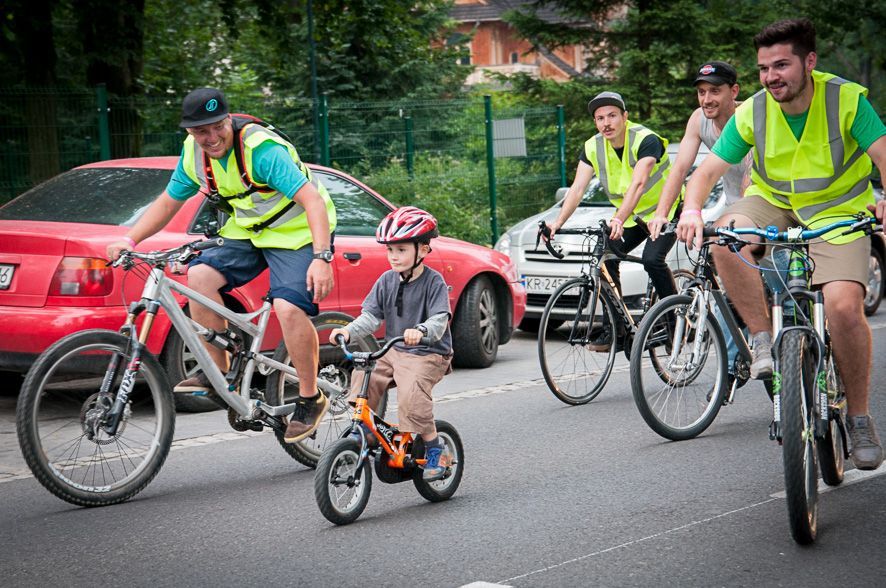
x,y
333,367
798,445
337,468
65,379
566,362
440,490
831,457
678,407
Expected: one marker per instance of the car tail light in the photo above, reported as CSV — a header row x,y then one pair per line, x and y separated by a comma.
x,y
82,276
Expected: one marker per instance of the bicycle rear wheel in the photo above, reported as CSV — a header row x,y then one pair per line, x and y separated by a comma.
x,y
798,416
678,369
575,373
333,368
60,418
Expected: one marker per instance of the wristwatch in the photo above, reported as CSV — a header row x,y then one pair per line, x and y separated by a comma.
x,y
423,329
325,255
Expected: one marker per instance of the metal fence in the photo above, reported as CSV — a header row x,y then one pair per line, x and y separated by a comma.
x,y
478,168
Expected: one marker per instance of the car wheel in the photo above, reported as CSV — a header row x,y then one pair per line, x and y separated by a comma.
x,y
475,326
874,290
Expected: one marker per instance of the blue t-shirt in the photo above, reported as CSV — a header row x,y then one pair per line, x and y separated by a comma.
x,y
271,165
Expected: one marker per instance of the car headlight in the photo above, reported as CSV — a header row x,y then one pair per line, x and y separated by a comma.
x,y
504,244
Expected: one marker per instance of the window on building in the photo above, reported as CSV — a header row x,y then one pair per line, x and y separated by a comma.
x,y
515,58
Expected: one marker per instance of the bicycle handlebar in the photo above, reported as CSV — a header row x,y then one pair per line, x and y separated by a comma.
x,y
181,254
602,231
373,355
796,234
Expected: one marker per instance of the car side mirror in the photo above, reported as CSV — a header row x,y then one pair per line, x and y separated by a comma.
x,y
561,193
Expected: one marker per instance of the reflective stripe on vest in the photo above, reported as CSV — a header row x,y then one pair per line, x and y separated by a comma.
x,y
648,201
251,209
841,190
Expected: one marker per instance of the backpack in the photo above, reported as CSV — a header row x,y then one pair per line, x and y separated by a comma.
x,y
219,201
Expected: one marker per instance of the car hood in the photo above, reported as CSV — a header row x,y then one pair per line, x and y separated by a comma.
x,y
462,253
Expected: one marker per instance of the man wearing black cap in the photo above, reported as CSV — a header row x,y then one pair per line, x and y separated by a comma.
x,y
281,218
632,166
716,84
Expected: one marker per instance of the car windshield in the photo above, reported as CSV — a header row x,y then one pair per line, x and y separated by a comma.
x,y
98,195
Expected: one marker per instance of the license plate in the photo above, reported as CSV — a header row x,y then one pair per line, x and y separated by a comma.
x,y
6,272
543,284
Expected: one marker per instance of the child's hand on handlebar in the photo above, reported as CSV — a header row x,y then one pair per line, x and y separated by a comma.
x,y
412,336
339,331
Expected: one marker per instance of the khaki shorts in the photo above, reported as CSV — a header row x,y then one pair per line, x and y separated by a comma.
x,y
415,377
833,263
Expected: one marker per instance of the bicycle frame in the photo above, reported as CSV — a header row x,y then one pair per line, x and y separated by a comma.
x,y
391,440
157,294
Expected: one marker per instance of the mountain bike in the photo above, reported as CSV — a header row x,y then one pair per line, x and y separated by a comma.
x,y
343,481
809,401
590,308
95,414
681,370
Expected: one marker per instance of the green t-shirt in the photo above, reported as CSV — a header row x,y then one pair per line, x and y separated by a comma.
x,y
866,128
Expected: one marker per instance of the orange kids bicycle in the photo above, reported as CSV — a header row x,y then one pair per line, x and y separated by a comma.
x,y
343,481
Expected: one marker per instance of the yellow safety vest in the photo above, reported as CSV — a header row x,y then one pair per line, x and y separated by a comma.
x,y
291,230
824,176
615,174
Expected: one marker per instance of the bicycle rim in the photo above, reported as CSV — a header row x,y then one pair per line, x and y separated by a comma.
x,y
798,442
573,372
61,415
678,369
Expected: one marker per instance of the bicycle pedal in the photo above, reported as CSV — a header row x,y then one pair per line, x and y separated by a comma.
x,y
240,425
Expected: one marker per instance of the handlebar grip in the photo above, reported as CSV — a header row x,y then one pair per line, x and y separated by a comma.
x,y
710,232
209,244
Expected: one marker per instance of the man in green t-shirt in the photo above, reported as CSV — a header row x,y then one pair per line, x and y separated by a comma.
x,y
813,137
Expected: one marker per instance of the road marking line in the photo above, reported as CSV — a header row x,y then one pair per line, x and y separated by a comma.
x,y
851,477
637,541
484,585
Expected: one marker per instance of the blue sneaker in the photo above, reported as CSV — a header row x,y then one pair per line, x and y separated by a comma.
x,y
435,467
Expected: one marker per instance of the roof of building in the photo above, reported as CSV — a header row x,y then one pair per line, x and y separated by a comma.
x,y
491,10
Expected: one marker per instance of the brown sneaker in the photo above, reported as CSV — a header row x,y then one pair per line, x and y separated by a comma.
x,y
198,385
306,418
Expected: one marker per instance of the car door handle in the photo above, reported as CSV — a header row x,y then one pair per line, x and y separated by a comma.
x,y
352,256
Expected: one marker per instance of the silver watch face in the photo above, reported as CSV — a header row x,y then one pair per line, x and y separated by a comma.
x,y
325,255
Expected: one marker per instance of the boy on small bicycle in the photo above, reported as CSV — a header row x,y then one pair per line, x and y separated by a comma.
x,y
411,299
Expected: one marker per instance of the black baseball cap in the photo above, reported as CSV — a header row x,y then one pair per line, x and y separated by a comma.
x,y
606,99
717,73
203,106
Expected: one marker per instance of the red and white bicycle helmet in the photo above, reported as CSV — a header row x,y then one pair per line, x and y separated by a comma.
x,y
407,224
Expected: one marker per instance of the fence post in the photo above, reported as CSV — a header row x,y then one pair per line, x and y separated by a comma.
x,y
324,130
104,129
410,148
561,143
490,168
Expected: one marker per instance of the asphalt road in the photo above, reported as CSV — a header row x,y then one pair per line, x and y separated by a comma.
x,y
552,496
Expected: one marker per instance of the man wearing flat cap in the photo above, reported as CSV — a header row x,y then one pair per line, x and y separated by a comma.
x,y
281,219
632,165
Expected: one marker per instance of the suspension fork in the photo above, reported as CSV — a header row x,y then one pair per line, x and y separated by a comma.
x,y
134,349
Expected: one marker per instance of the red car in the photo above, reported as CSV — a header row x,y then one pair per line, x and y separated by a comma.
x,y
53,278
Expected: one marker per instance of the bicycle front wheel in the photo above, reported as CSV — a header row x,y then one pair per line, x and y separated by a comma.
x,y
333,368
575,361
798,416
678,368
831,459
60,420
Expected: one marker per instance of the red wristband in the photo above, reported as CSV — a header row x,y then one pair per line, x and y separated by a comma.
x,y
129,240
694,211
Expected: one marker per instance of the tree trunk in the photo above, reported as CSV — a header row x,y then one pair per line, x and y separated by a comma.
x,y
35,41
113,42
